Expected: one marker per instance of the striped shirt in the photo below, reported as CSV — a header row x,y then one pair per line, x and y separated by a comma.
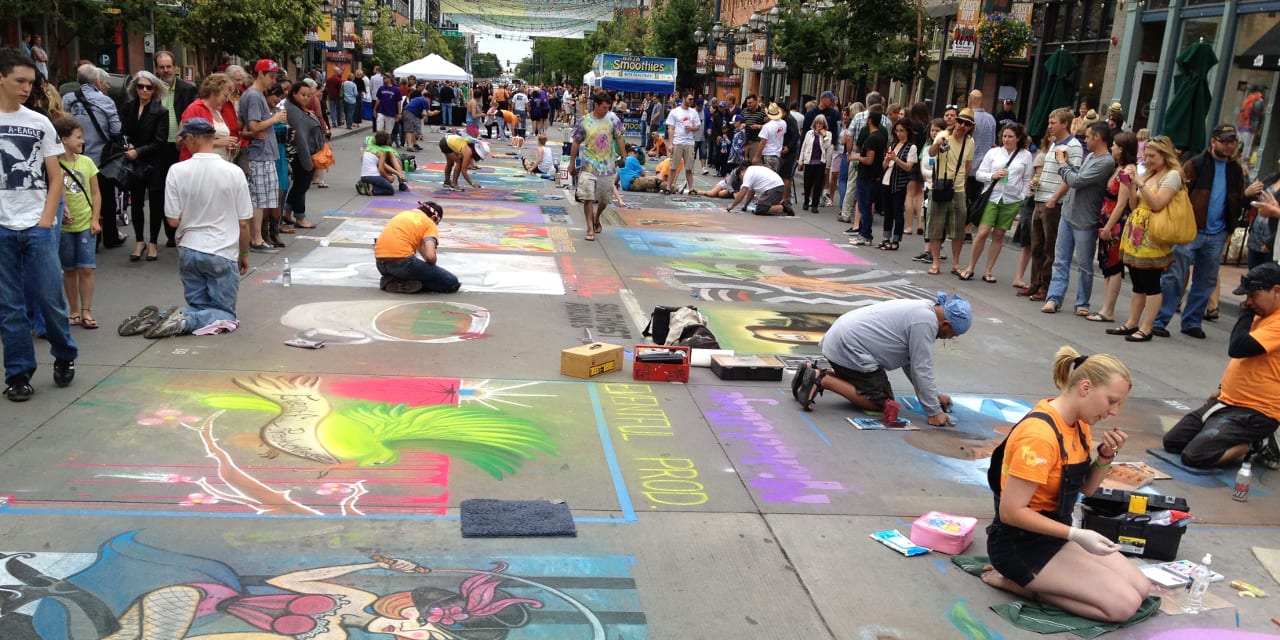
x,y
1049,178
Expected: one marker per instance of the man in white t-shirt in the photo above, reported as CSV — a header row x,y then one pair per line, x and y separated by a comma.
x,y
207,200
772,135
520,105
682,122
29,147
761,191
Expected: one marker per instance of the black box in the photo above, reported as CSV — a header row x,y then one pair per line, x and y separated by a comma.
x,y
1136,535
728,367
1113,502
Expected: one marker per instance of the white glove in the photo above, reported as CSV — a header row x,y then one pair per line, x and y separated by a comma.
x,y
1092,541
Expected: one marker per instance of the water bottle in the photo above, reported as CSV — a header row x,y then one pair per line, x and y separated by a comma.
x,y
1241,491
1194,600
286,278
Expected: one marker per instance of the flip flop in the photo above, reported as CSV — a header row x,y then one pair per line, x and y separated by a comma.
x,y
1098,317
956,272
965,275
590,237
1083,312
74,320
990,279
933,271
88,322
798,378
810,387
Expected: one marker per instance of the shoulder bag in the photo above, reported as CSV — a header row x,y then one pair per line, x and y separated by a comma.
x,y
980,204
944,189
1176,223
116,166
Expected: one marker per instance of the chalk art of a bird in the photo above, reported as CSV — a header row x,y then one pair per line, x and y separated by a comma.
x,y
371,434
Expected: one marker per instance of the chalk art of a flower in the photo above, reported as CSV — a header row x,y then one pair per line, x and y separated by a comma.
x,y
194,499
167,418
447,615
335,488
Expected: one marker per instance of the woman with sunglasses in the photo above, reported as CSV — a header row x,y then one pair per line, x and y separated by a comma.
x,y
145,123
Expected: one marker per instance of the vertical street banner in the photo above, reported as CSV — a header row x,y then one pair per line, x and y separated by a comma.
x,y
1022,11
758,47
722,56
701,66
964,36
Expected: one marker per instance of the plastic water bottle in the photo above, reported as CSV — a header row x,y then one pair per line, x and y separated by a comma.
x,y
286,278
1241,491
1194,600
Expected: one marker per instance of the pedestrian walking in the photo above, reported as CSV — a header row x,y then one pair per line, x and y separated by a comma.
x,y
597,141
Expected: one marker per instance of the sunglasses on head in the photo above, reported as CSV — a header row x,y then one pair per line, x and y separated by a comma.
x,y
951,106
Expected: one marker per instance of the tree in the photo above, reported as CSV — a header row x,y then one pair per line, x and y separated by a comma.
x,y
457,49
554,59
670,35
627,33
247,28
861,39
485,65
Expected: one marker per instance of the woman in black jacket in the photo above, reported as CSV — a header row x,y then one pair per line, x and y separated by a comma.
x,y
308,139
145,123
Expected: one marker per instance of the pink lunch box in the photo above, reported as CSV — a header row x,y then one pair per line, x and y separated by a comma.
x,y
943,532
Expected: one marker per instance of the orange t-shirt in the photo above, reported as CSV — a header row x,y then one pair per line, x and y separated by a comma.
x,y
1255,382
404,234
1032,454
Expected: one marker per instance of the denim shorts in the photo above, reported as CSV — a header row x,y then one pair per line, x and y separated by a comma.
x,y
77,250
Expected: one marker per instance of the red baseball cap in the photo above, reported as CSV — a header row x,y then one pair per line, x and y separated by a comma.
x,y
265,64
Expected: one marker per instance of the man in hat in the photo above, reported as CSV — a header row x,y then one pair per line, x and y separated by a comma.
x,y
682,124
408,236
826,107
259,128
863,345
1216,184
207,201
1240,419
954,152
1006,115
772,135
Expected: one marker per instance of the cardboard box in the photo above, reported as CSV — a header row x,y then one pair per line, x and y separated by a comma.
x,y
661,372
591,360
727,367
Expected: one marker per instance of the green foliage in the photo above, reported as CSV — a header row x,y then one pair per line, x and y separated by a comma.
x,y
247,28
1002,36
457,50
671,30
485,65
873,37
555,60
627,33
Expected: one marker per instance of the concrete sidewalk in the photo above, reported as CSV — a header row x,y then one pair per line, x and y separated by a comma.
x,y
708,510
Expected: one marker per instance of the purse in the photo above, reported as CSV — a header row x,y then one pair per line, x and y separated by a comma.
x,y
124,172
323,159
1176,223
944,189
979,205
116,167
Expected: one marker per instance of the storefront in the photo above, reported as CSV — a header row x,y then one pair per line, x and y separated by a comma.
x,y
1244,36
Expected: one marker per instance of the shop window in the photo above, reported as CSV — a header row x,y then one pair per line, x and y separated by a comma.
x,y
1195,29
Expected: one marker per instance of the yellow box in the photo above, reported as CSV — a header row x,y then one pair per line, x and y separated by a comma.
x,y
1137,504
591,360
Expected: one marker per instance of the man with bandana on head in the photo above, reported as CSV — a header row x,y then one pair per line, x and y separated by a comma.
x,y
408,236
864,344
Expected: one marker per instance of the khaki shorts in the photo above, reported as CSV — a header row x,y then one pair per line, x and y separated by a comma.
x,y
946,219
773,162
683,154
594,188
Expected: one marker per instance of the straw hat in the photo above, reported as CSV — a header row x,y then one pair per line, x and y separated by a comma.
x,y
774,112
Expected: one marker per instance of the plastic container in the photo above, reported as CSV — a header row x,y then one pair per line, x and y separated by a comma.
x,y
1136,535
943,532
660,372
1240,493
1193,602
286,277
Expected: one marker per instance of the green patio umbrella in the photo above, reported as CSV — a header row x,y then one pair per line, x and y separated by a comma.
x,y
1057,92
1184,120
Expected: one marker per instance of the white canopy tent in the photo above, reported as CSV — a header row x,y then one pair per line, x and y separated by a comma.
x,y
589,79
433,67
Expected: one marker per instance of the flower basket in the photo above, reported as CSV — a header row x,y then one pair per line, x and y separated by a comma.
x,y
1001,36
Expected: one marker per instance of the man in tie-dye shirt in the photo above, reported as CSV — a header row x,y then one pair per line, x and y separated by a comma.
x,y
598,143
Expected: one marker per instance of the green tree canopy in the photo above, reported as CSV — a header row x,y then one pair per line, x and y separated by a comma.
x,y
554,60
859,39
485,65
247,28
671,28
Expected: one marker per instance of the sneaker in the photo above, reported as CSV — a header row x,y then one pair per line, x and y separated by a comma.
x,y
844,219
172,325
705,171
923,257
859,241
826,200
851,231
787,209
395,285
1266,453
146,318
64,371
19,390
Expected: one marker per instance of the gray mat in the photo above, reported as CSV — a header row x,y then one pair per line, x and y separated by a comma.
x,y
484,518
1175,459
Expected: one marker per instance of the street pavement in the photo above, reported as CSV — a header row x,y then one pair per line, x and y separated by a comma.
x,y
708,510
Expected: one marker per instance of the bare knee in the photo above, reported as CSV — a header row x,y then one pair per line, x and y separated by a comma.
x,y
1122,605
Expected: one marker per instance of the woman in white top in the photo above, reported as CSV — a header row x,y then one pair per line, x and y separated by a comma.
x,y
1009,166
815,154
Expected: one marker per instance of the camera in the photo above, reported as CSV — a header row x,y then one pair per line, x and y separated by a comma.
x,y
945,147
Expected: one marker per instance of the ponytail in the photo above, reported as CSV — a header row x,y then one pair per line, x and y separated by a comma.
x,y
1070,368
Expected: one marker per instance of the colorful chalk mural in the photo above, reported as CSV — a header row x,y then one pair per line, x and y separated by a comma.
x,y
669,244
229,443
496,273
461,210
388,320
589,277
474,236
768,331
484,193
137,585
774,284
693,219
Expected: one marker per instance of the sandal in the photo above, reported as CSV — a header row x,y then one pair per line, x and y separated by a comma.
x,y
933,271
965,275
598,228
893,246
74,319
1122,331
1098,317
591,237
989,279
303,224
810,387
1018,285
798,378
86,320
1050,307
955,271
1139,336
1083,312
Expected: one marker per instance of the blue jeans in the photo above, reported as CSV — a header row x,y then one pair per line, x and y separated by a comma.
x,y
446,114
1082,244
1203,256
351,112
381,186
30,261
843,183
210,285
434,279
523,116
336,109
868,193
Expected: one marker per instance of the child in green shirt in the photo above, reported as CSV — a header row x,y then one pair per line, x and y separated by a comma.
x,y
81,222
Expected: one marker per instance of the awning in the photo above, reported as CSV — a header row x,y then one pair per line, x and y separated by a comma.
x,y
1264,54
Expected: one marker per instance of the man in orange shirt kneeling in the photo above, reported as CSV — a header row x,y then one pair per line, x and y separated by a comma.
x,y
1239,421
411,235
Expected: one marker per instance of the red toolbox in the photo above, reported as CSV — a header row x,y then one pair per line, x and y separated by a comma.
x,y
660,363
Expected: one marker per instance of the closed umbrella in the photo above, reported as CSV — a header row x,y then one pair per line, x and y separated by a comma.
x,y
1184,120
1058,89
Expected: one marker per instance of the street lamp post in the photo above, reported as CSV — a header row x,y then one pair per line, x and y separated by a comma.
x,y
764,23
814,8
731,37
